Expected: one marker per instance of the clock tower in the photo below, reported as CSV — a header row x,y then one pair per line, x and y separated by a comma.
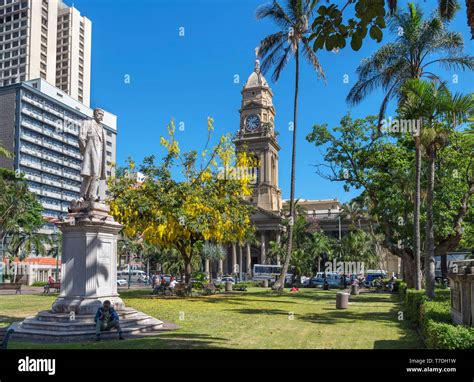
x,y
257,136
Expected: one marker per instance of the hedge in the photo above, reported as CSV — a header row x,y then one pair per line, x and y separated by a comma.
x,y
413,301
441,335
39,283
402,288
433,317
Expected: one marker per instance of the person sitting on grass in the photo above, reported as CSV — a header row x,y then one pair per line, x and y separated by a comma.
x,y
106,318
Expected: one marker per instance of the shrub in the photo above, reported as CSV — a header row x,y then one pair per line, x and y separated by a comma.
x,y
402,288
396,285
248,284
209,289
239,287
442,294
441,335
39,283
413,300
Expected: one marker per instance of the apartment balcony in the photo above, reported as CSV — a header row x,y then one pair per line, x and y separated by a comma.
x,y
32,101
72,142
36,190
31,139
58,125
51,206
51,170
71,176
51,182
59,149
53,111
53,159
59,137
27,163
65,209
31,126
72,165
34,178
68,198
73,154
52,194
29,151
32,114
71,187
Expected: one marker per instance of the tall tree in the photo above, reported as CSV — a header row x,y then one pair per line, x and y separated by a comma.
x,y
180,215
291,40
439,111
382,167
420,44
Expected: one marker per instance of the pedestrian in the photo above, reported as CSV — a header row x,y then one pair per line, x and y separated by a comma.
x,y
106,318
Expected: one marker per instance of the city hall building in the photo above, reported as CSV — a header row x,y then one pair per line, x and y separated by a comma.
x,y
256,134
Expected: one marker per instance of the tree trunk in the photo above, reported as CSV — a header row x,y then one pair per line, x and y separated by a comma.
x,y
280,283
444,266
187,269
416,215
408,270
430,244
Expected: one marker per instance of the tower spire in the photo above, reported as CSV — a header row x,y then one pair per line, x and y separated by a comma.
x,y
257,62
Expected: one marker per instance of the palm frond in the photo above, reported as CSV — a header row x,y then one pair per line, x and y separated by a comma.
x,y
270,42
464,62
274,11
313,60
447,9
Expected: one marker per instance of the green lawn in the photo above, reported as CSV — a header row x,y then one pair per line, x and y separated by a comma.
x,y
257,318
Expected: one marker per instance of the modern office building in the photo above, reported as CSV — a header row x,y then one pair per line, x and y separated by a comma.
x,y
40,124
45,39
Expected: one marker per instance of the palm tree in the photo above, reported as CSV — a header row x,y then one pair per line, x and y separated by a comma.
x,y
440,111
420,44
4,153
318,244
447,9
292,40
25,242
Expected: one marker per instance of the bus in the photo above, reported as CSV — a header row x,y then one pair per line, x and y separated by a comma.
x,y
269,272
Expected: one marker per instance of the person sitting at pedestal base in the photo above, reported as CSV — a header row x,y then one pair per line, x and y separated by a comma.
x,y
106,318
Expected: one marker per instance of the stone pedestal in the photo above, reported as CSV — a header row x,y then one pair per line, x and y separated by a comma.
x,y
461,282
89,277
89,260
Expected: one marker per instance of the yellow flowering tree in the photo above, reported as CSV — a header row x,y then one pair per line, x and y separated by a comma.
x,y
206,205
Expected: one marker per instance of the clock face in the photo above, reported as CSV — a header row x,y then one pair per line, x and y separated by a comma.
x,y
252,122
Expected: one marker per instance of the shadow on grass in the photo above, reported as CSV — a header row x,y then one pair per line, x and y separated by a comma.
x,y
333,316
260,311
174,340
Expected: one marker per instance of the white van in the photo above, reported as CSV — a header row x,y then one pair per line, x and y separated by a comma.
x,y
136,275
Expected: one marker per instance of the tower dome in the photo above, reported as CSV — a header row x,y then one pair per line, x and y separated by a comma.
x,y
256,78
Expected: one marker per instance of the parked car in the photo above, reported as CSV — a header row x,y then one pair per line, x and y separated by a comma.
x,y
224,279
122,282
332,278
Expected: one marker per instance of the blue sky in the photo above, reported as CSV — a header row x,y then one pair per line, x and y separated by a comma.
x,y
192,77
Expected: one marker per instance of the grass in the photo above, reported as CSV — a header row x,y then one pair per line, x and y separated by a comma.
x,y
258,318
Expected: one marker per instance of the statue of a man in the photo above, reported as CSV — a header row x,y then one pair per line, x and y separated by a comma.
x,y
92,144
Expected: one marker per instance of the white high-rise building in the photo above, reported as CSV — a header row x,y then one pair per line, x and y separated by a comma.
x,y
45,39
